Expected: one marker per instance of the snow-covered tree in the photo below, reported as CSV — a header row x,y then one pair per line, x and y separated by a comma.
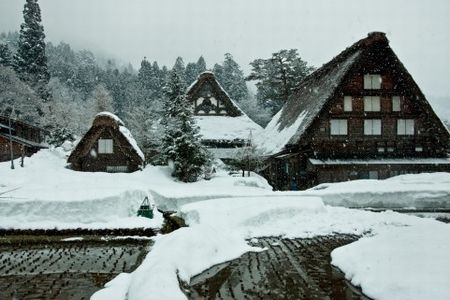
x,y
100,100
277,77
194,69
201,65
249,157
180,68
231,77
30,61
67,114
17,97
6,58
144,120
257,112
181,141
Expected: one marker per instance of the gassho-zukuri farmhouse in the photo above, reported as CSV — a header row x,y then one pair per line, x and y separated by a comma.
x,y
359,116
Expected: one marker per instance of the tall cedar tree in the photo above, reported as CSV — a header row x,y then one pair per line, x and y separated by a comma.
x,y
30,61
181,141
231,77
277,77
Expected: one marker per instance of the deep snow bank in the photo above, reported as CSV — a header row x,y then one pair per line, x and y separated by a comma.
x,y
426,190
410,262
219,229
45,194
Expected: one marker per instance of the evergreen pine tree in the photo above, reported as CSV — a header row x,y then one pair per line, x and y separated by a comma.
x,y
232,78
181,141
180,68
277,77
201,65
5,55
30,61
191,73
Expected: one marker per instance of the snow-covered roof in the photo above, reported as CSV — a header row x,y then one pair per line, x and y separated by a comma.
x,y
110,115
101,120
127,134
226,128
390,161
290,123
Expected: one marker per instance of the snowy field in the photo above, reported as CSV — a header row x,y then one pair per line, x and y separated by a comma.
x,y
398,257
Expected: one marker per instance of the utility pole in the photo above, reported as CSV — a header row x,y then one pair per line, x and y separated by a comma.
x,y
10,141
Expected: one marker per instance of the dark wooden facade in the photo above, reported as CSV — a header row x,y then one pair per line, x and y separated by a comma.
x,y
208,98
122,157
26,139
401,134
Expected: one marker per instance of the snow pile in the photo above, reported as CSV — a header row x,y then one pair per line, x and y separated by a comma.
x,y
219,229
409,262
226,128
173,196
426,190
45,194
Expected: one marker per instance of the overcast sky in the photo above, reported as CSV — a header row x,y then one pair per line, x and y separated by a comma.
x,y
128,30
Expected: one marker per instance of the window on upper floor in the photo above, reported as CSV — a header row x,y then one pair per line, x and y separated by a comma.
x,y
372,81
105,146
338,127
372,103
405,127
372,127
347,103
396,103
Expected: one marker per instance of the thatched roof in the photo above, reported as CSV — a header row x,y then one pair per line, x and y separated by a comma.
x,y
208,77
291,123
103,121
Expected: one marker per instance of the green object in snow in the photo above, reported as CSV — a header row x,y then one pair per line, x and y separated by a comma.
x,y
145,210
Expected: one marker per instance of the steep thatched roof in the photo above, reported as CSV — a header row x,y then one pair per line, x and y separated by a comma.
x,y
290,124
107,121
208,77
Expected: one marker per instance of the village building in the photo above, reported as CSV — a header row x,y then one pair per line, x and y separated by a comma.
x,y
224,127
108,146
26,139
359,116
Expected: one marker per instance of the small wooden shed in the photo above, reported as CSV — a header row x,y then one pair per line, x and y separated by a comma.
x,y
108,146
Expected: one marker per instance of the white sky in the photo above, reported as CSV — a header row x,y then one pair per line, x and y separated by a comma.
x,y
128,30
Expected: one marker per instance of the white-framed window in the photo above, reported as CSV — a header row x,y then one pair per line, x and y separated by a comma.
x,y
372,127
396,103
419,149
372,103
338,127
105,146
347,103
372,81
390,149
405,127
373,174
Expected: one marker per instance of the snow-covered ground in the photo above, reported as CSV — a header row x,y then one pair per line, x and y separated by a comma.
x,y
416,267
399,257
45,194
